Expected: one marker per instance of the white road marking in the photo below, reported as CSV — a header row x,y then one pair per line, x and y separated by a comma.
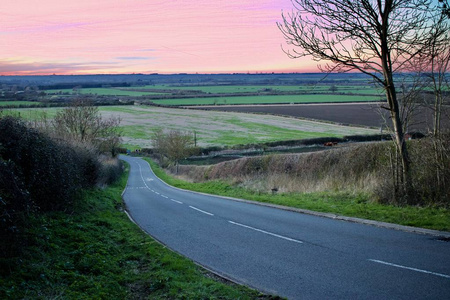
x,y
142,177
147,187
409,268
202,211
266,232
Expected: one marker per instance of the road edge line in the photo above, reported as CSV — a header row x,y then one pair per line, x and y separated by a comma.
x,y
380,224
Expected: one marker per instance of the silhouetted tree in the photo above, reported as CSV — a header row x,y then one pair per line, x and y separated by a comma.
x,y
375,37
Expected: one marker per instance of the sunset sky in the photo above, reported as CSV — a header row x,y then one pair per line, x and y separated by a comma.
x,y
143,36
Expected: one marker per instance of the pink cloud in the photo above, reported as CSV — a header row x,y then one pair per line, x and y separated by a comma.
x,y
166,36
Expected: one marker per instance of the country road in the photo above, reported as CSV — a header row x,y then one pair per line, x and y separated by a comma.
x,y
289,254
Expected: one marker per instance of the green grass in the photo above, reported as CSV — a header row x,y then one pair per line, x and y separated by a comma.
x,y
228,89
219,128
345,204
96,252
268,99
264,132
7,103
30,114
101,91
137,132
220,89
213,128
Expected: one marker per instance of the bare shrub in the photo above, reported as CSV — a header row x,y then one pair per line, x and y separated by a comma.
x,y
360,168
352,169
431,174
110,170
81,122
173,145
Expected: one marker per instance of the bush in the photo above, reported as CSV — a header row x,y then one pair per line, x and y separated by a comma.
x,y
430,173
52,170
110,171
15,205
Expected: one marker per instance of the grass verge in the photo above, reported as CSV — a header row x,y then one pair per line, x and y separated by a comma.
x,y
96,252
341,203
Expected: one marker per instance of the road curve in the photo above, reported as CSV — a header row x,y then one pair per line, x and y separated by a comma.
x,y
286,253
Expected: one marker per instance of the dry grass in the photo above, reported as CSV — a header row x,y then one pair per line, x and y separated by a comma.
x,y
351,169
363,168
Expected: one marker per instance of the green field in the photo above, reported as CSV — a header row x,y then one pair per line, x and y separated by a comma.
x,y
101,91
138,123
218,89
219,128
228,89
8,103
321,98
31,114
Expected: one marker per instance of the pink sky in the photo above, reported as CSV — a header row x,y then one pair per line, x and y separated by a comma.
x,y
143,36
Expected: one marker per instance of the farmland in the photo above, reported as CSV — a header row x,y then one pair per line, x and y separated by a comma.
x,y
232,94
339,98
100,91
229,89
211,127
362,114
268,99
220,128
23,103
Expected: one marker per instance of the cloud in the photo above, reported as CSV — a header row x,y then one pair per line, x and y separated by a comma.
x,y
36,68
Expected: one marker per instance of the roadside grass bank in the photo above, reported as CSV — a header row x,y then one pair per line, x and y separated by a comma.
x,y
346,203
96,252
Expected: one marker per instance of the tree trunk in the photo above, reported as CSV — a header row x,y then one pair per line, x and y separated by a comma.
x,y
399,136
437,114
392,100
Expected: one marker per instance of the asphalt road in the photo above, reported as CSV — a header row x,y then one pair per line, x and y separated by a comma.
x,y
294,255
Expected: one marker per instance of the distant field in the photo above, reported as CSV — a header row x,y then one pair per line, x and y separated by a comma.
x,y
365,114
219,128
211,127
102,91
31,114
227,89
268,99
7,103
220,89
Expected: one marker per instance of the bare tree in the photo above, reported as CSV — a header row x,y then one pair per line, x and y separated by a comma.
x,y
374,37
437,56
175,145
81,122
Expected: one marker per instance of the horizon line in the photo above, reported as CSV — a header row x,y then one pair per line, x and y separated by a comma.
x,y
180,73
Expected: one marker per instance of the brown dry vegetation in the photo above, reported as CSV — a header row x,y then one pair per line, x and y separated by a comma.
x,y
305,172
360,168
